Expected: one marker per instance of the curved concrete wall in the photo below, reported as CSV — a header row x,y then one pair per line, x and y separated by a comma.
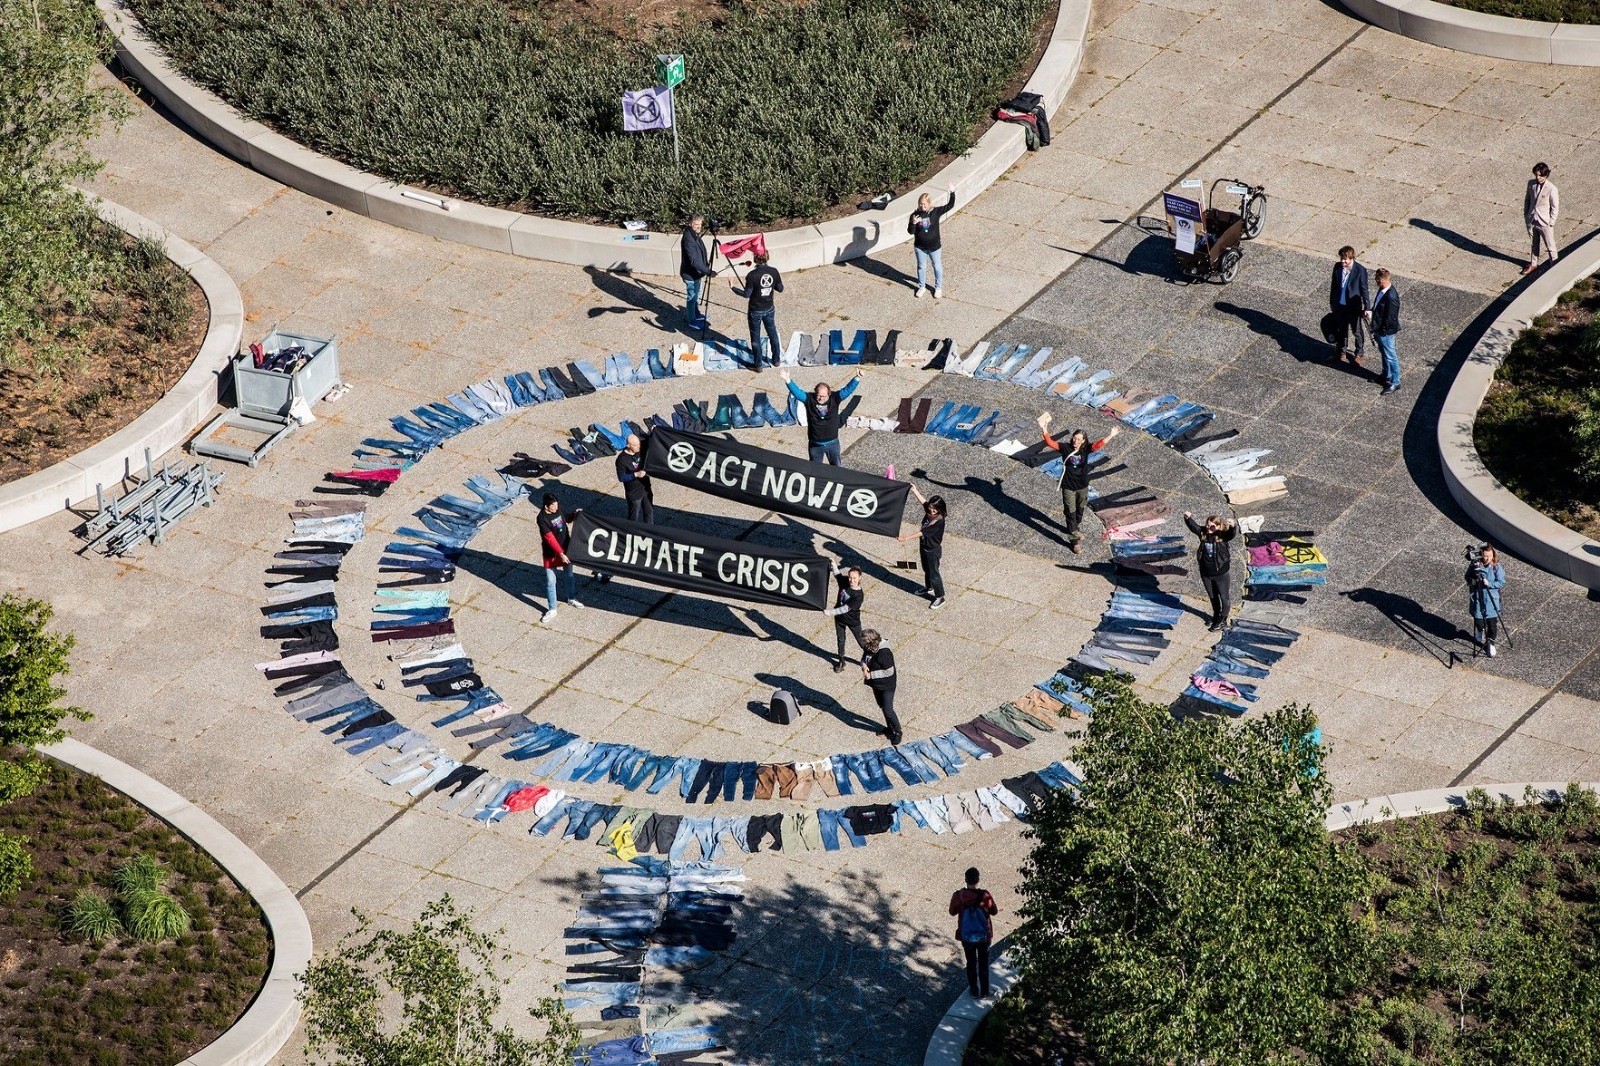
x,y
169,421
1484,35
1510,522
266,1026
559,241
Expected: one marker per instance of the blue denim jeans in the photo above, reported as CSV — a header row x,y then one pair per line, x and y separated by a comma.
x,y
830,822
550,585
927,261
766,321
692,287
1391,361
827,451
660,367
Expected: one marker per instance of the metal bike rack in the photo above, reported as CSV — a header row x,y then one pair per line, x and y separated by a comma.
x,y
149,509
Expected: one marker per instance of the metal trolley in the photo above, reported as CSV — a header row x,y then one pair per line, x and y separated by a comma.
x,y
1233,214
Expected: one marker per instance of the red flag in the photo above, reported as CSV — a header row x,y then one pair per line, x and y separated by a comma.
x,y
739,247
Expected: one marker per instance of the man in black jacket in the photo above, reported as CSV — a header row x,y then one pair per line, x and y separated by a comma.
x,y
822,416
1214,558
635,482
846,609
877,670
694,268
1348,301
1385,322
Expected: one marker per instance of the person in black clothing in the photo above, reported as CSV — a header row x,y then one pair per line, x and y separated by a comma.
x,y
930,548
759,285
1214,557
846,609
1074,475
924,229
1348,302
822,416
694,268
636,485
877,670
1384,320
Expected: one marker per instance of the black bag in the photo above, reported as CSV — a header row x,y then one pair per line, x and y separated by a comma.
x,y
784,708
1024,102
1330,328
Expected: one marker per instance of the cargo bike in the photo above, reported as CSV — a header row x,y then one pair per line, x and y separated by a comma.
x,y
1214,236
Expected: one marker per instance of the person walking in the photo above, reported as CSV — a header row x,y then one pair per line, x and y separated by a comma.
x,y
1384,318
822,416
1075,452
846,609
761,312
973,907
555,535
924,229
877,671
1541,206
1214,559
930,546
636,486
694,267
1485,580
1348,301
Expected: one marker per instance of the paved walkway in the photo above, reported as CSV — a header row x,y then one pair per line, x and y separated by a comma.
x,y
1415,155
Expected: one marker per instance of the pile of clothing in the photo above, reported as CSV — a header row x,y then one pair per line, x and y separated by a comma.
x,y
1133,628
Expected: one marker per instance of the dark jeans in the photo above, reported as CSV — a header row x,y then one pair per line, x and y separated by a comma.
x,y
977,968
1219,590
839,628
1073,501
768,319
1489,626
930,570
891,721
824,451
641,508
1349,319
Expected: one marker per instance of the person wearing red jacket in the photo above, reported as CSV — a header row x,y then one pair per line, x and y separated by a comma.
x,y
1074,475
555,534
972,908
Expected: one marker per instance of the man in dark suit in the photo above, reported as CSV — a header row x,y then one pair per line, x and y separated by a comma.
x,y
1384,319
1348,300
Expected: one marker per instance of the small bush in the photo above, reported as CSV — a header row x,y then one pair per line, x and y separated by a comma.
x,y
142,873
155,916
92,917
16,865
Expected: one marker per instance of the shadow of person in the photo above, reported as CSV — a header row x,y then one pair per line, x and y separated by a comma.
x,y
1431,632
635,294
1462,241
879,269
1292,340
773,630
806,696
871,567
992,491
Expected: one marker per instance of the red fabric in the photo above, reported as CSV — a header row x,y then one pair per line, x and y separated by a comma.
x,y
739,246
523,798
389,475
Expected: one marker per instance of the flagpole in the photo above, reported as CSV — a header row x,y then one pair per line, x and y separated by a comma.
x,y
677,161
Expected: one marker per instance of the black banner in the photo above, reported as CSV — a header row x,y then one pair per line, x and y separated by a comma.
x,y
778,482
677,558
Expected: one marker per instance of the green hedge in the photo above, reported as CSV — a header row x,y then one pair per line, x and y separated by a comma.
x,y
789,108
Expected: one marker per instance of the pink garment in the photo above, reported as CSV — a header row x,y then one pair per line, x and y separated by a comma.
x,y
1267,555
1215,686
523,798
388,475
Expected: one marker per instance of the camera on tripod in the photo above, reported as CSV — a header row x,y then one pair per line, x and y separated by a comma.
x,y
1473,555
715,224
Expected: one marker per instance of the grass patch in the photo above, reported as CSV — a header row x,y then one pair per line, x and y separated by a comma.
x,y
1584,11
791,106
77,990
1539,428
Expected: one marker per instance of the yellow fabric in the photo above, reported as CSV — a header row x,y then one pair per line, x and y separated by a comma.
x,y
622,842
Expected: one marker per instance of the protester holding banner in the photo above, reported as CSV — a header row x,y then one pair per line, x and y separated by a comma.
x,y
822,416
761,313
846,609
931,546
877,671
694,268
555,536
636,487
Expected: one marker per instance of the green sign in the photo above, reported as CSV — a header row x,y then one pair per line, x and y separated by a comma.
x,y
669,70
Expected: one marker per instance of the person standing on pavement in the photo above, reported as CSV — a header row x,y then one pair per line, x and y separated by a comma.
x,y
694,267
555,535
877,671
636,487
1485,580
1348,300
1075,454
846,609
761,313
1214,559
924,229
1384,318
930,546
973,907
822,416
1541,206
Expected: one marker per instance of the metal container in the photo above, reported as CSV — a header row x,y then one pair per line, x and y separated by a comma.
x,y
268,392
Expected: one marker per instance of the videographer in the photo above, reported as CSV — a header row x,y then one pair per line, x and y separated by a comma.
x,y
694,269
1485,578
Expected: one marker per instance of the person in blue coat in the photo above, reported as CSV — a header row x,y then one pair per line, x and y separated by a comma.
x,y
1485,580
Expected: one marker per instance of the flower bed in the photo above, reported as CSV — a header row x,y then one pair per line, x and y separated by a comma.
x,y
1579,11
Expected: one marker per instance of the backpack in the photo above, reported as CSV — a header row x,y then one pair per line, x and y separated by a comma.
x,y
784,709
972,926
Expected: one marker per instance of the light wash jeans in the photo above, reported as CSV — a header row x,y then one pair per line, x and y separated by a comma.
x,y
692,287
926,261
1391,361
550,585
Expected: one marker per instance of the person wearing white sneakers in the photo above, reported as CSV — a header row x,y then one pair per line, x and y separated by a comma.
x,y
924,229
1485,580
555,534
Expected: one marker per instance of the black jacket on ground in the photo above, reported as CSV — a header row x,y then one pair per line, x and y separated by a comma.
x,y
1386,312
695,263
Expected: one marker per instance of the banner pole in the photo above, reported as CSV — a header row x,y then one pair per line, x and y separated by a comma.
x,y
677,161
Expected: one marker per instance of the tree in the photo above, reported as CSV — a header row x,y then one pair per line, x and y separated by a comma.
x,y
31,658
1187,906
50,52
443,974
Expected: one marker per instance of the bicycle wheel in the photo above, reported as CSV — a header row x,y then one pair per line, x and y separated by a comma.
x,y
1254,210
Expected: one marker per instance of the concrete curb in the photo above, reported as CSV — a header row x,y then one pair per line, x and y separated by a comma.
x,y
955,1030
169,421
574,243
1509,521
270,1020
1524,40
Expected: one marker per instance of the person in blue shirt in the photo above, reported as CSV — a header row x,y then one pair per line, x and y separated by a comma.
x,y
822,416
1485,580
